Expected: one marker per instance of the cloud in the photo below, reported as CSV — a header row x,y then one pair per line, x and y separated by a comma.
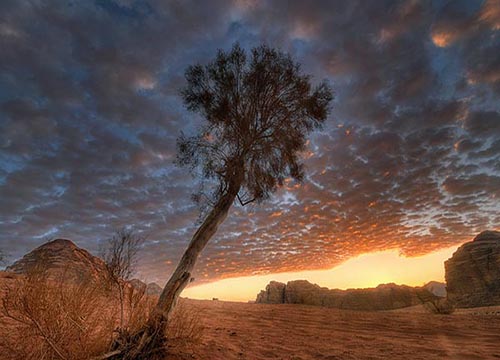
x,y
89,112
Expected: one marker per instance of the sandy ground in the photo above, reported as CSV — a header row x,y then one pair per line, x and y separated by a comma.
x,y
298,332
259,331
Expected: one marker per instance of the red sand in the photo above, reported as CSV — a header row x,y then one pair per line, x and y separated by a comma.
x,y
259,331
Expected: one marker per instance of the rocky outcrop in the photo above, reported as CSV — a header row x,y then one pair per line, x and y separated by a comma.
x,y
437,288
61,259
153,289
273,294
383,297
473,272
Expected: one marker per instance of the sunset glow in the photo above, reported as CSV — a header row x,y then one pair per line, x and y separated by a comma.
x,y
367,270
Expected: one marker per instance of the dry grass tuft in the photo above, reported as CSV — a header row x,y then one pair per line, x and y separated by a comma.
x,y
138,306
43,319
185,325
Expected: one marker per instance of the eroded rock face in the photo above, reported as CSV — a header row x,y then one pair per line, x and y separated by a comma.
x,y
473,272
273,294
61,259
383,297
303,292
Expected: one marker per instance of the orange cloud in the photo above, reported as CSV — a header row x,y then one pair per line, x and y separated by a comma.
x,y
490,14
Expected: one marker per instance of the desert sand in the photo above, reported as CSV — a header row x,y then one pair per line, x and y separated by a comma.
x,y
298,332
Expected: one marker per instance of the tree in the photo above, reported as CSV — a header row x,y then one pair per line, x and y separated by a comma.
x,y
120,254
259,109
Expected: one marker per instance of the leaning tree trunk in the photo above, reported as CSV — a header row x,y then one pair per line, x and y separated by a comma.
x,y
182,274
149,341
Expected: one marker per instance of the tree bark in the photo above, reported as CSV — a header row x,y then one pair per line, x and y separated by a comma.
x,y
182,274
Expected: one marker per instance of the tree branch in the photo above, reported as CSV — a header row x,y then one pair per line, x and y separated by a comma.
x,y
243,203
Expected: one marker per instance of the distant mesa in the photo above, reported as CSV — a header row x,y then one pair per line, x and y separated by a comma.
x,y
473,272
472,280
61,259
383,297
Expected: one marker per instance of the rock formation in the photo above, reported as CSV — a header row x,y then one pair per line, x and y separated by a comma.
x,y
383,297
153,289
61,259
150,289
437,288
473,272
274,293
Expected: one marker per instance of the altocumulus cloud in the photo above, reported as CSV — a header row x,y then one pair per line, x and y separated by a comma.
x,y
89,114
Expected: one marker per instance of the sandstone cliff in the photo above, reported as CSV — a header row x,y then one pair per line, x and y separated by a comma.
x,y
383,297
273,294
473,272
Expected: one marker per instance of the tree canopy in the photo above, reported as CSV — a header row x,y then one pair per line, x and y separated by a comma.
x,y
259,108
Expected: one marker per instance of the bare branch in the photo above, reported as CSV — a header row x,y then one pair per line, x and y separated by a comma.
x,y
120,255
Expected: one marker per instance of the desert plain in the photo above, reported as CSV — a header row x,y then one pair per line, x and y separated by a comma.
x,y
235,330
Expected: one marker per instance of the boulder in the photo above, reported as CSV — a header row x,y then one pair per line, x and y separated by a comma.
x,y
473,272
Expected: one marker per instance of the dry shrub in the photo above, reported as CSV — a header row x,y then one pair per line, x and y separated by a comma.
x,y
440,306
185,326
44,320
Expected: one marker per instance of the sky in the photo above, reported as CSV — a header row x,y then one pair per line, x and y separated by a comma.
x,y
408,161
